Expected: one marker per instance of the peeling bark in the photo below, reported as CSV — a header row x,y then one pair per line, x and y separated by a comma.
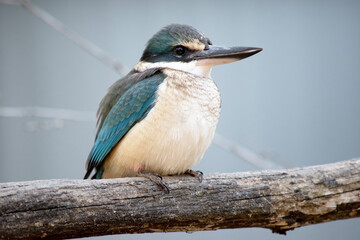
x,y
279,200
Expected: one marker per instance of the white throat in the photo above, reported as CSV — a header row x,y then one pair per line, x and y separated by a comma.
x,y
191,67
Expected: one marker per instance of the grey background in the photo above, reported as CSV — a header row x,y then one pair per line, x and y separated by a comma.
x,y
298,100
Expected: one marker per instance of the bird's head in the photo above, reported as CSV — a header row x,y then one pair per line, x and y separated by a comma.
x,y
184,48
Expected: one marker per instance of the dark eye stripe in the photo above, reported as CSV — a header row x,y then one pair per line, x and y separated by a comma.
x,y
179,50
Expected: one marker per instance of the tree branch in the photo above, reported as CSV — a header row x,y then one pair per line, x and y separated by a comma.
x,y
279,200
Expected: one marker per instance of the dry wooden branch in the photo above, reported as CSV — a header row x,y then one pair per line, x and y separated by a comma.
x,y
279,200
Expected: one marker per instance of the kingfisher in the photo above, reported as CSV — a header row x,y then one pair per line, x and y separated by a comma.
x,y
161,117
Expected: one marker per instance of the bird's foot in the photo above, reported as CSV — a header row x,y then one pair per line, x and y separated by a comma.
x,y
198,174
154,178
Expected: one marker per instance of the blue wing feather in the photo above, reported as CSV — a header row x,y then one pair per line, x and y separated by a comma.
x,y
130,108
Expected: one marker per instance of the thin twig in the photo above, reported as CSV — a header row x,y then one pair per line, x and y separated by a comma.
x,y
44,112
245,154
74,37
10,2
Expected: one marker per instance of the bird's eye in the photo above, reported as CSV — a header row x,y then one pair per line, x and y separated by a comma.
x,y
179,51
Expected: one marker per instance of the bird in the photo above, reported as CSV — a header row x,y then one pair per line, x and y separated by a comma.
x,y
161,117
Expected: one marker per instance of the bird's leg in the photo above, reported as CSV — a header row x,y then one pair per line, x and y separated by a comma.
x,y
154,178
198,174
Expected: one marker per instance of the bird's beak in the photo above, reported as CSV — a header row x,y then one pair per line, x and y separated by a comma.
x,y
217,55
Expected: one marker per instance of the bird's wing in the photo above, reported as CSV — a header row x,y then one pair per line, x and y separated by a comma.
x,y
118,89
130,108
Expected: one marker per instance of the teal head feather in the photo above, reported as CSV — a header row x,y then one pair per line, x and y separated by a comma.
x,y
161,45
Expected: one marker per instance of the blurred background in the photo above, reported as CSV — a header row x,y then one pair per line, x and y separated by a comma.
x,y
297,102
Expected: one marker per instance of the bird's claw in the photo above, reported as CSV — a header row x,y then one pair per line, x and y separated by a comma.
x,y
155,178
198,174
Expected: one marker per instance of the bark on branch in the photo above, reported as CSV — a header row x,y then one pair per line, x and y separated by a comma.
x,y
278,200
